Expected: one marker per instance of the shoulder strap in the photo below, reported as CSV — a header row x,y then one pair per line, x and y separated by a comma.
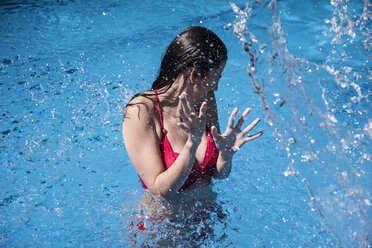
x,y
158,103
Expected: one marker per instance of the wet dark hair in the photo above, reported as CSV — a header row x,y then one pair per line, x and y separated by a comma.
x,y
194,47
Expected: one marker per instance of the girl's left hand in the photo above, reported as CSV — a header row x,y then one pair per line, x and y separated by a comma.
x,y
234,138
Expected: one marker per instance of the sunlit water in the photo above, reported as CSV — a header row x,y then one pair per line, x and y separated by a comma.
x,y
69,67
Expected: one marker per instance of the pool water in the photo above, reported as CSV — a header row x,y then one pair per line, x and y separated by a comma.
x,y
68,68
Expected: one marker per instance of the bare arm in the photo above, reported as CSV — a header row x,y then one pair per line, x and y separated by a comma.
x,y
142,144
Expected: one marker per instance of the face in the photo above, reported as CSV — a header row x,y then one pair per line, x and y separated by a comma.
x,y
210,82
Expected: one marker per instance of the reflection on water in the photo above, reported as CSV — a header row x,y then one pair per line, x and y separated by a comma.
x,y
315,89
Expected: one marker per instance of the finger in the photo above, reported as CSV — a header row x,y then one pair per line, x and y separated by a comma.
x,y
184,127
216,136
203,110
251,126
183,116
185,105
232,118
189,104
254,136
242,118
245,140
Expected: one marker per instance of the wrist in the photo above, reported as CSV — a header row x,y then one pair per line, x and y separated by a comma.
x,y
193,142
226,156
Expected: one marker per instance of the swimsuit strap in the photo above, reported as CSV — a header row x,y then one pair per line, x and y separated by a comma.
x,y
160,116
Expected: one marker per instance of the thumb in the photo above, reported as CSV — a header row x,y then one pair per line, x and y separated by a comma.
x,y
214,133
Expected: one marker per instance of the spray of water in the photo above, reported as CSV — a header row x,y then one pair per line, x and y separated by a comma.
x,y
317,101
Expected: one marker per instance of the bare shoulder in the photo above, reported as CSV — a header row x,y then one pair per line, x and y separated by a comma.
x,y
140,119
141,134
140,107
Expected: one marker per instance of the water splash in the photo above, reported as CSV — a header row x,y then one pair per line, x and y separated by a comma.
x,y
316,95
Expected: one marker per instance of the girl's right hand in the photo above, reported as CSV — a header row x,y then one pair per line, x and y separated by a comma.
x,y
191,123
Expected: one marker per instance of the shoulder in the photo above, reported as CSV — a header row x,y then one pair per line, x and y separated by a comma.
x,y
140,106
140,115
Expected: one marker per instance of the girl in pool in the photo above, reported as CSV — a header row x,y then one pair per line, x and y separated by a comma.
x,y
171,132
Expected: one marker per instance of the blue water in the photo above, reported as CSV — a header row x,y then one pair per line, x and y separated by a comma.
x,y
67,69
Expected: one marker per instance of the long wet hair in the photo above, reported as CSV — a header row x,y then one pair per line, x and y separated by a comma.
x,y
196,47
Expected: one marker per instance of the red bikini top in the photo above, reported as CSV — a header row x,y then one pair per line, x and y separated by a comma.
x,y
198,171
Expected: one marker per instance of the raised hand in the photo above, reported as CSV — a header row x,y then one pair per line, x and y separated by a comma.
x,y
234,138
192,123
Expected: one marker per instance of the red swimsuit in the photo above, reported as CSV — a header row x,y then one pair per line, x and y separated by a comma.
x,y
197,172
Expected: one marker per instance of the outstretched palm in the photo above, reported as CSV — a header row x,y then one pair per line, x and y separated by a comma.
x,y
234,138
